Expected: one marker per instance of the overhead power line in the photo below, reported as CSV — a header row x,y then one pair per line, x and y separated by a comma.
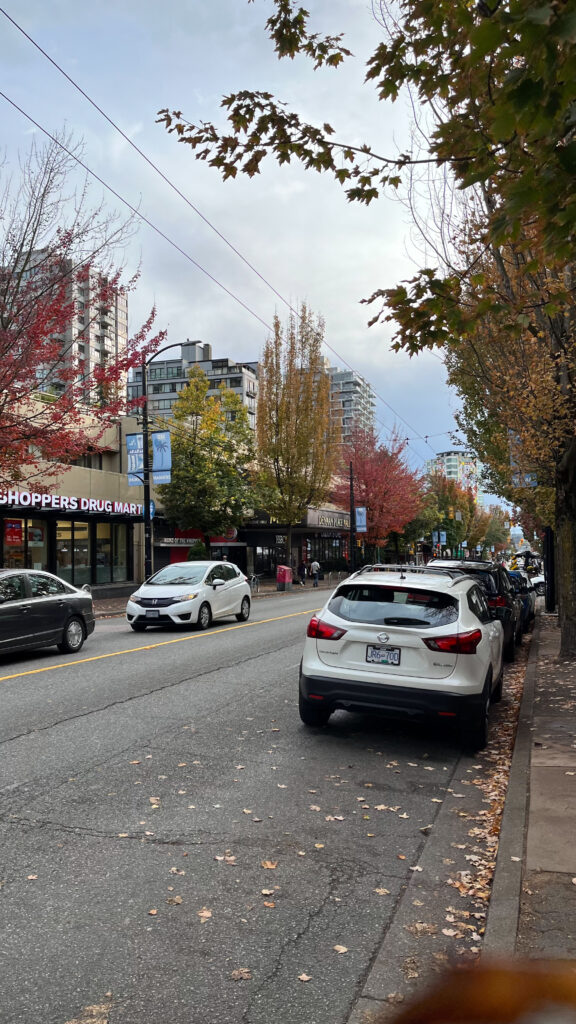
x,y
193,207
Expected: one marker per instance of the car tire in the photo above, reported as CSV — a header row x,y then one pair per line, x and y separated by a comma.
x,y
73,636
138,627
312,714
244,614
476,734
540,589
204,616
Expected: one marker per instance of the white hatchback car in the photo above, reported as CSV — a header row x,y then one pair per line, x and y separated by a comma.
x,y
405,642
190,593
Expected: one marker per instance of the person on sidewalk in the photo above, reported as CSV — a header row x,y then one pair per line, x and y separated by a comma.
x,y
314,571
302,573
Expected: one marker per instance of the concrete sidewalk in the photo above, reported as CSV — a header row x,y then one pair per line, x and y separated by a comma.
x,y
533,905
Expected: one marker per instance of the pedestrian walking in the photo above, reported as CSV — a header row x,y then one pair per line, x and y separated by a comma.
x,y
314,571
302,573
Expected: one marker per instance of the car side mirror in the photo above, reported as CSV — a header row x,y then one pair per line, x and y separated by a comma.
x,y
87,588
218,583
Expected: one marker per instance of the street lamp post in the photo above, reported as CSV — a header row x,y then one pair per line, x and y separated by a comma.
x,y
146,477
146,464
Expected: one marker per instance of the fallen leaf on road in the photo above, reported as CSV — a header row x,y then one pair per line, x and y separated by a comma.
x,y
174,901
340,949
204,914
267,892
269,903
245,811
134,762
318,846
304,977
269,864
241,974
382,892
152,913
31,877
314,807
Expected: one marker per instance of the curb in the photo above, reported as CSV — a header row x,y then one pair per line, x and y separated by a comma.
x,y
504,908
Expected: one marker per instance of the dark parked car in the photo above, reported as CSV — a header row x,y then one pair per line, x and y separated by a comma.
x,y
524,587
38,609
503,602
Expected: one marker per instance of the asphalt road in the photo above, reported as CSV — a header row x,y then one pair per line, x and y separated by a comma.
x,y
167,821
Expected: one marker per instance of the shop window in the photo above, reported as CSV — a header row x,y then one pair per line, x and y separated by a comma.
x,y
120,563
25,544
14,549
37,536
103,553
73,554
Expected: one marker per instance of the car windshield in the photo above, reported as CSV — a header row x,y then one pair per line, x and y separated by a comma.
x,y
174,575
394,606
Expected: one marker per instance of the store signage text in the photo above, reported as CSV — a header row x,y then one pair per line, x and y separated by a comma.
x,y
30,499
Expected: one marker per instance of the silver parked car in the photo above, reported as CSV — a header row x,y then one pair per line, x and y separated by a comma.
x,y
405,642
190,593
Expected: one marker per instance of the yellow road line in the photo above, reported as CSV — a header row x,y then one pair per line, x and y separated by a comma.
x,y
151,647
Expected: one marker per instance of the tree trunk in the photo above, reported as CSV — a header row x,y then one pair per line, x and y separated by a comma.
x,y
566,549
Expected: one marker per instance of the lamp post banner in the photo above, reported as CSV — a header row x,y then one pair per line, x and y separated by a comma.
x,y
161,457
135,453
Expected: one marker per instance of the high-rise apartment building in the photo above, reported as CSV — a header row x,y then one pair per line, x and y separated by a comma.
x,y
96,333
167,377
459,466
352,401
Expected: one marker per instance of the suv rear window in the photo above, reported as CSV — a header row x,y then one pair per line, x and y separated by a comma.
x,y
394,606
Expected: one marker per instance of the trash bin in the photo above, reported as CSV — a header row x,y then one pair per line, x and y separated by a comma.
x,y
283,577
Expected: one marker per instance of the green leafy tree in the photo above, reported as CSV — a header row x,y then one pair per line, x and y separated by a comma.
x,y
497,82
297,439
212,448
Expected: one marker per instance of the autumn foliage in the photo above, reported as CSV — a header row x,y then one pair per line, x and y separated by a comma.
x,y
391,493
62,378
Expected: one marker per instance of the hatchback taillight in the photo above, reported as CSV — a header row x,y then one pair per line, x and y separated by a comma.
x,y
461,643
320,630
497,602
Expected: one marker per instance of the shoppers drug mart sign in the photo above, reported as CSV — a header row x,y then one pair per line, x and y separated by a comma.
x,y
69,503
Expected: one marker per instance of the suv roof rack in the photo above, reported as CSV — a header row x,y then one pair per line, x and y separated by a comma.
x,y
420,570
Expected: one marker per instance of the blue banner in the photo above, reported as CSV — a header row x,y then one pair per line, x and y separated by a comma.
x,y
135,453
361,520
161,457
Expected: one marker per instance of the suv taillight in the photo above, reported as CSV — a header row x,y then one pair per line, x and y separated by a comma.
x,y
320,630
461,643
497,602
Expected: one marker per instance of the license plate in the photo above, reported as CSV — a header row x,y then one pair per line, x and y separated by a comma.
x,y
152,613
383,655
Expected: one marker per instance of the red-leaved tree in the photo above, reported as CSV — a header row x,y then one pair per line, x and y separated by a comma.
x,y
61,382
383,483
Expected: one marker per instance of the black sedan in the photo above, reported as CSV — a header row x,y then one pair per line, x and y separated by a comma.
x,y
38,609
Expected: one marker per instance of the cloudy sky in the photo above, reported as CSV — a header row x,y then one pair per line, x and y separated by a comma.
x,y
135,57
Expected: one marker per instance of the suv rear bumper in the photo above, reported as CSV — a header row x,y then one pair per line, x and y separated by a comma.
x,y
396,701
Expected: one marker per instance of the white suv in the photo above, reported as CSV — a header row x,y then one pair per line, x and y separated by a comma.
x,y
405,642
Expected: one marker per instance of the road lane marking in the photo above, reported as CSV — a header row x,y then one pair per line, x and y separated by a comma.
x,y
161,643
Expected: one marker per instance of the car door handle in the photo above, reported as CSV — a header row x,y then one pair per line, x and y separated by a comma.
x,y
25,607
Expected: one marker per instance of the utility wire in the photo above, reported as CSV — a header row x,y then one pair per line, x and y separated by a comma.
x,y
201,215
137,212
